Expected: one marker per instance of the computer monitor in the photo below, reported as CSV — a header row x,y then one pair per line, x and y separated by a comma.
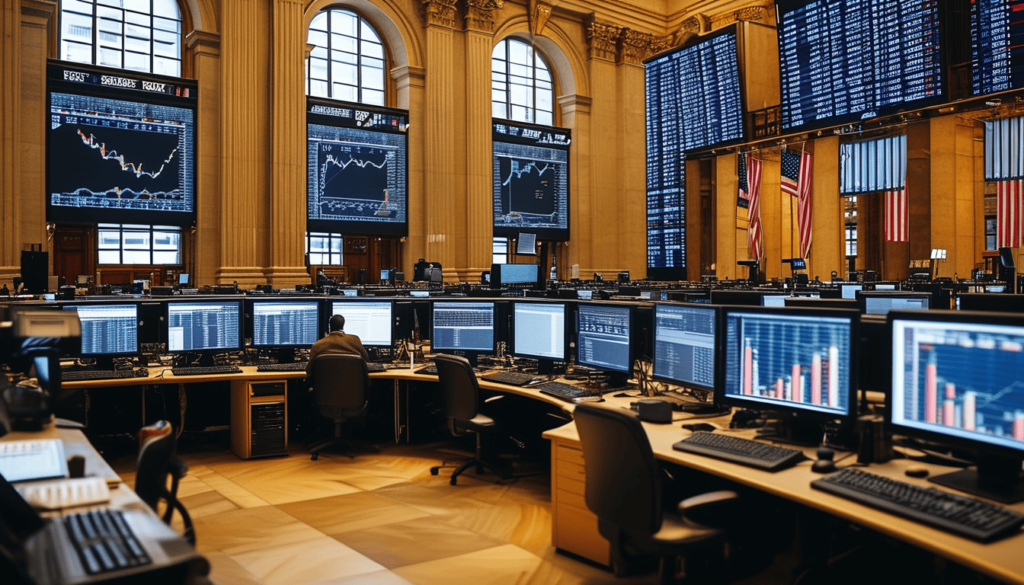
x,y
539,333
797,264
183,279
685,345
527,244
465,328
584,295
373,321
503,275
385,276
108,331
736,297
773,300
849,290
207,327
800,363
885,286
956,380
881,302
603,339
821,303
1003,303
285,325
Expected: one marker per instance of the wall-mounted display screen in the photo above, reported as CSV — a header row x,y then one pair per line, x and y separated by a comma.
x,y
997,51
120,147
531,180
357,169
847,60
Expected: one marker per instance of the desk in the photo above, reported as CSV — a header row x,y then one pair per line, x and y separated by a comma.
x,y
574,528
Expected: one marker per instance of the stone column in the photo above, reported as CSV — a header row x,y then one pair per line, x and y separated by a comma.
x,y
204,51
576,115
410,83
10,137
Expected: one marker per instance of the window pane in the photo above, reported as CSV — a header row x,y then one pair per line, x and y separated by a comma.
x,y
163,66
373,97
166,257
544,118
498,110
344,73
135,240
77,27
343,43
319,22
136,257
316,37
372,50
76,52
344,22
123,25
317,68
318,88
136,62
373,78
110,257
109,239
168,8
166,240
136,5
110,57
348,93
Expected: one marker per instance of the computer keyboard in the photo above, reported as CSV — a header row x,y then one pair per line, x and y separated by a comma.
x,y
79,375
375,367
961,515
742,451
513,378
289,367
32,459
204,370
104,541
66,493
430,370
566,392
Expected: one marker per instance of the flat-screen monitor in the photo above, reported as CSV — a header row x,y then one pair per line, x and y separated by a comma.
x,y
539,332
821,303
463,327
372,321
881,302
885,286
849,291
120,146
526,245
285,323
956,380
891,58
204,326
772,300
685,345
603,338
357,169
799,362
1000,303
108,330
997,58
736,297
183,279
584,295
530,169
797,264
503,275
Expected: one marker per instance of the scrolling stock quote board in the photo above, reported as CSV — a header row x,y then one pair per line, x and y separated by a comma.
x,y
120,146
357,169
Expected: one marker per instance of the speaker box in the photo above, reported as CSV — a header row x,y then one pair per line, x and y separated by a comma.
x,y
34,271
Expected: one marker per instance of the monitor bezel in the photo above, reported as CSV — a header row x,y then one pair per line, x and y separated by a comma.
x,y
461,350
250,321
715,310
353,301
138,342
788,408
631,308
566,314
204,301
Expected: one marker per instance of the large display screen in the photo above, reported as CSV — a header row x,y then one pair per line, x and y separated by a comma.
x,y
847,60
357,169
531,180
997,46
120,147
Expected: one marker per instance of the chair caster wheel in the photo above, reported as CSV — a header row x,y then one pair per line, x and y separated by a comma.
x,y
453,481
434,470
314,456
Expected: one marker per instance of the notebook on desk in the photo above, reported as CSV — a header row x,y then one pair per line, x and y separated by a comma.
x,y
93,546
32,459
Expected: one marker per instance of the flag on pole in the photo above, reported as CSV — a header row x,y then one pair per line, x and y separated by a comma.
x,y
1010,214
896,215
753,176
796,181
743,200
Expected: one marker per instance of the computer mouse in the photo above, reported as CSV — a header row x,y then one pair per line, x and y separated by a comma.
x,y
916,472
699,427
579,399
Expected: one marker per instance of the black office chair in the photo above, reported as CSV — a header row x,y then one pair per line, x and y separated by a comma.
x,y
624,489
339,391
461,407
157,461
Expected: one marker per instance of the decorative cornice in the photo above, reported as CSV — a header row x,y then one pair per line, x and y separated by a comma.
x,y
409,71
480,14
602,41
440,12
539,15
40,9
201,41
750,14
637,46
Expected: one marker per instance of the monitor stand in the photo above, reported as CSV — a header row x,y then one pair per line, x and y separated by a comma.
x,y
995,478
285,355
791,429
545,367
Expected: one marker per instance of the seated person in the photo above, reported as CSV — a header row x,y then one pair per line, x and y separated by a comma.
x,y
336,341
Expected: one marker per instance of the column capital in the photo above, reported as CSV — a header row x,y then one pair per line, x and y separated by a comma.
x,y
440,13
637,46
602,41
577,103
480,14
201,42
43,9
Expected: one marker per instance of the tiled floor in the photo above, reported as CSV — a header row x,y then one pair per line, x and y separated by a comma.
x,y
377,518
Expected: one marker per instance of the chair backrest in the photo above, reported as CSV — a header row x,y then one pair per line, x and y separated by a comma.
x,y
459,386
339,383
155,464
623,482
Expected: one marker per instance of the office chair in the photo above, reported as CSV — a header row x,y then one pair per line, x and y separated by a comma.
x,y
623,488
157,461
339,390
461,407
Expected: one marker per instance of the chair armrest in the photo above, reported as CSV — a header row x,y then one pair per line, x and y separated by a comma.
x,y
715,509
493,398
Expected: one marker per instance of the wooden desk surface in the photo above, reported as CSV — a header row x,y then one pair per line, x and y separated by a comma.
x,y
1002,559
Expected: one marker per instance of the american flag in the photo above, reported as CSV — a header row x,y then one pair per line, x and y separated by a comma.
x,y
796,181
743,200
896,214
753,183
1010,214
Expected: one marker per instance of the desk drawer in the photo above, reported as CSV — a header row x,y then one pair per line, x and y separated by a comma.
x,y
571,478
568,454
577,533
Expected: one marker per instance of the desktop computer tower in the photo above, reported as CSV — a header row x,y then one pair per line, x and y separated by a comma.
x,y
259,418
267,430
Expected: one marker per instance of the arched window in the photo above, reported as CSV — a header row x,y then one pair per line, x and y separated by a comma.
x,y
521,87
347,60
140,35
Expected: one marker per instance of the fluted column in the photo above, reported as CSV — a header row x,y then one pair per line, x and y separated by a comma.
x,y
10,136
410,83
479,170
242,124
288,154
576,115
439,135
204,51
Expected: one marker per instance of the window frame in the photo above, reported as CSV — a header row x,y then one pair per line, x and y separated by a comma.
x,y
503,78
130,19
151,247
362,25
331,237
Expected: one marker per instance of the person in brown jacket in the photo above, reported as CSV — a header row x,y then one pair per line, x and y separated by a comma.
x,y
337,341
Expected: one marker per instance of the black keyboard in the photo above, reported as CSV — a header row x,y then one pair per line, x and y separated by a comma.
x,y
742,451
961,515
204,370
289,367
513,378
375,367
566,392
104,541
78,375
430,370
